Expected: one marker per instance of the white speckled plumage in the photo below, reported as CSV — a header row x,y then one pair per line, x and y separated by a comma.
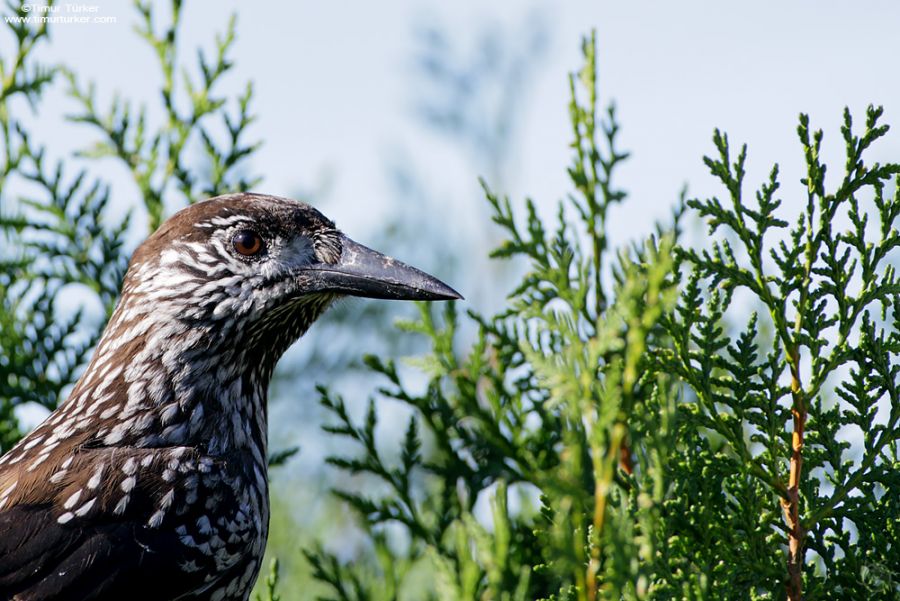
x,y
150,481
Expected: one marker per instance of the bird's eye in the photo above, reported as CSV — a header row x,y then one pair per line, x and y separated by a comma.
x,y
248,243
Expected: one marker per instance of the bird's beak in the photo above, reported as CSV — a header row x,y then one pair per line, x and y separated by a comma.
x,y
361,271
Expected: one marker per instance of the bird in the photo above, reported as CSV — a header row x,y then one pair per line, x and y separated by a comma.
x,y
149,483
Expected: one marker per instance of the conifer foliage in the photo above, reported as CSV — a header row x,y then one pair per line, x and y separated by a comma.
x,y
647,441
803,399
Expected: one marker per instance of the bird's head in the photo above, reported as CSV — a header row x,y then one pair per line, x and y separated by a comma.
x,y
257,270
209,303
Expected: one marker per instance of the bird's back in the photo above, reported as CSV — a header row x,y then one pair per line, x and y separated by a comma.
x,y
114,523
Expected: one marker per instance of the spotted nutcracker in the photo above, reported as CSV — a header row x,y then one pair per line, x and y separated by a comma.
x,y
149,482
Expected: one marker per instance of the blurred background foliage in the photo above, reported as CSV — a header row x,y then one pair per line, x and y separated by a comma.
x,y
615,428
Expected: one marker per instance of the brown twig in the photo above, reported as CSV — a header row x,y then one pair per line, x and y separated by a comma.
x,y
791,503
